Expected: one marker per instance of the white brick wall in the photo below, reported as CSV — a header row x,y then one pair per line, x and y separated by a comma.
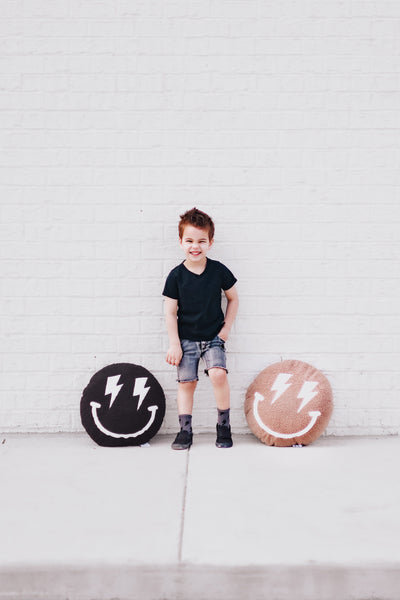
x,y
281,119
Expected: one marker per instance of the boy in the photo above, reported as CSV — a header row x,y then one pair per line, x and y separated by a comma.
x,y
196,324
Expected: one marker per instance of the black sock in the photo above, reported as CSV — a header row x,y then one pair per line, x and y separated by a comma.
x,y
185,421
223,417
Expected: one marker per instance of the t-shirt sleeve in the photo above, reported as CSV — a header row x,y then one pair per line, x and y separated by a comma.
x,y
228,278
171,287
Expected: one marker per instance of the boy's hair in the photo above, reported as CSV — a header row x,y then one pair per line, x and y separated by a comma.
x,y
199,219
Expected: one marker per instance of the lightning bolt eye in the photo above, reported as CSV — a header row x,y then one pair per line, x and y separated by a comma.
x,y
280,385
113,387
306,393
140,390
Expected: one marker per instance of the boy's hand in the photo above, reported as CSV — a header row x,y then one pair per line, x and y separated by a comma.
x,y
174,355
224,334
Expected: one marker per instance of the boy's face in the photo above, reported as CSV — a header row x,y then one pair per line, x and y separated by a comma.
x,y
195,243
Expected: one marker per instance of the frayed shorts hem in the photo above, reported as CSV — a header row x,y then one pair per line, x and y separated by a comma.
x,y
215,367
205,371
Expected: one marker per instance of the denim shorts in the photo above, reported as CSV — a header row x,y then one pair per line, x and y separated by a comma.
x,y
212,352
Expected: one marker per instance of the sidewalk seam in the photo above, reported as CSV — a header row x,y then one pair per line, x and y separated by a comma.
x,y
183,509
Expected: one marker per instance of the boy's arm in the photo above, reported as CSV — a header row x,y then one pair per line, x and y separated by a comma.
x,y
231,311
174,353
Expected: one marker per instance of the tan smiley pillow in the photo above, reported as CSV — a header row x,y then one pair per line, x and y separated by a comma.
x,y
288,403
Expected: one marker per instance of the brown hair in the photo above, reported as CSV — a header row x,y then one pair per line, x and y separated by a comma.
x,y
199,219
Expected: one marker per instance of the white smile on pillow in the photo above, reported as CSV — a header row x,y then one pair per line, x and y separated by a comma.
x,y
314,414
96,405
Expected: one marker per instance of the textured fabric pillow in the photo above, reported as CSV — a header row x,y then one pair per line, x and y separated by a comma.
x,y
289,403
123,405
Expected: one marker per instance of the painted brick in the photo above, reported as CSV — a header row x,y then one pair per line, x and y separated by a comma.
x,y
279,119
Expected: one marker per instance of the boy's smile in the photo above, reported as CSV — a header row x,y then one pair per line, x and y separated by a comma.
x,y
195,243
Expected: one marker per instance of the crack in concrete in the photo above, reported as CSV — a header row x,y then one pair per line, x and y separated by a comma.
x,y
182,526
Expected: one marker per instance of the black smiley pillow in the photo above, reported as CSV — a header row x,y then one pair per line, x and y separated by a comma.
x,y
122,405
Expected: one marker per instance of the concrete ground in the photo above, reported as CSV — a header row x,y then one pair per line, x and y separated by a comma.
x,y
81,522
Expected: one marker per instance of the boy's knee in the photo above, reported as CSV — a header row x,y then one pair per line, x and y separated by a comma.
x,y
218,375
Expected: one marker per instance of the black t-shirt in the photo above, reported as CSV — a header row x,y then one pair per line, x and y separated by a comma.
x,y
200,315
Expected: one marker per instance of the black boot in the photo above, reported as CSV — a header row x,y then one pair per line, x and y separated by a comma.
x,y
224,437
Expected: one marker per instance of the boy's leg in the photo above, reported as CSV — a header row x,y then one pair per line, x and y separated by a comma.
x,y
219,380
215,360
187,382
184,438
185,397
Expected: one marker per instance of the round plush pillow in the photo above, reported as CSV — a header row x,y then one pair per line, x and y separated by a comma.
x,y
289,403
123,405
